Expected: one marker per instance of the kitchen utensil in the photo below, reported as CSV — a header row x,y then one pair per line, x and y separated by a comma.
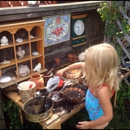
x,y
66,83
29,110
49,72
51,85
13,79
73,94
44,102
57,97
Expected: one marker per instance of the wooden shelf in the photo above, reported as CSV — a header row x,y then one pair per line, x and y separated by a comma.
x,y
7,46
36,39
12,62
13,32
25,41
4,85
37,56
26,58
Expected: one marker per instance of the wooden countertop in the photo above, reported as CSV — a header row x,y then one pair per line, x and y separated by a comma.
x,y
55,121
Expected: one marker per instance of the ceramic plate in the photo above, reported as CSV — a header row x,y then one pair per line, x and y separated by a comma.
x,y
5,79
35,53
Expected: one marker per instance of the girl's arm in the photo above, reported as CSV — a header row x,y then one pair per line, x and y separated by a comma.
x,y
78,65
104,99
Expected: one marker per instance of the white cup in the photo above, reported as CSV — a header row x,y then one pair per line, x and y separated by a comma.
x,y
27,90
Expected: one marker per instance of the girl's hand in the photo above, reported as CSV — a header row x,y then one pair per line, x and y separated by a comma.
x,y
60,73
83,125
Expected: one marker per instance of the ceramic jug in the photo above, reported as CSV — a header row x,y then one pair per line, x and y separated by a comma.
x,y
39,80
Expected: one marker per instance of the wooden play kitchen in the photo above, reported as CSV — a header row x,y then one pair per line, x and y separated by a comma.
x,y
58,115
25,43
55,115
56,119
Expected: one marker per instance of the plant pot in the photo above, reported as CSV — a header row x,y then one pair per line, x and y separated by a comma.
x,y
70,56
57,61
75,58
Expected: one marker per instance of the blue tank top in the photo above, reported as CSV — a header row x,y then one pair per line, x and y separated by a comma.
x,y
93,106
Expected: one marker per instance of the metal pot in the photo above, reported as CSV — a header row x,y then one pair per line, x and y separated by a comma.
x,y
29,110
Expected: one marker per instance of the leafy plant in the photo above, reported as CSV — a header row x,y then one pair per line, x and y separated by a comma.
x,y
12,117
123,99
11,112
109,12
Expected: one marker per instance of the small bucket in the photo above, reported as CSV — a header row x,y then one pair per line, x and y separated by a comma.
x,y
27,90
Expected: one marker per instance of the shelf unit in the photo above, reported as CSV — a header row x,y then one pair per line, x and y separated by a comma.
x,y
23,30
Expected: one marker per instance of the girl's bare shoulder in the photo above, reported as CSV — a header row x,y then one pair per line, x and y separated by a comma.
x,y
103,92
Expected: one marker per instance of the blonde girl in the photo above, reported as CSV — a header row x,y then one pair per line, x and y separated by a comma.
x,y
101,70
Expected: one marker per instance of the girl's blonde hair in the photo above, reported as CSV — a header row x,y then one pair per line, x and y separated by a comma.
x,y
102,66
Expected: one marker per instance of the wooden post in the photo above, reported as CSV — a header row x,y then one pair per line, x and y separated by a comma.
x,y
2,121
21,116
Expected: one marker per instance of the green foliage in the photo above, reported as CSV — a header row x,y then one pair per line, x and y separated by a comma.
x,y
109,12
11,111
121,115
12,115
123,95
118,122
125,26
